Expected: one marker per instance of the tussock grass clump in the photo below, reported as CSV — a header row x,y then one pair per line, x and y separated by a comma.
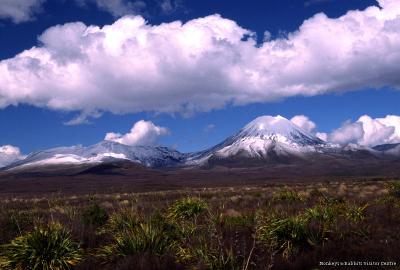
x,y
290,235
288,195
218,259
187,208
95,215
122,220
394,189
285,235
355,213
321,220
321,213
45,248
150,237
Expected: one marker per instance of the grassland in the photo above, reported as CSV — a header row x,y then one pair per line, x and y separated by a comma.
x,y
274,226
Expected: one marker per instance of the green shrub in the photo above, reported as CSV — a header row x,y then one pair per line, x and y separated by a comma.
x,y
95,215
187,208
45,248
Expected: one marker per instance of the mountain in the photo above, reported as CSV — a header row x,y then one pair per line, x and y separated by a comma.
x,y
103,152
266,139
388,149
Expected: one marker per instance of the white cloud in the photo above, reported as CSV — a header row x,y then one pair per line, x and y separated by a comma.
x,y
82,118
322,135
368,131
204,64
365,131
117,8
304,122
376,132
9,154
142,133
19,10
347,133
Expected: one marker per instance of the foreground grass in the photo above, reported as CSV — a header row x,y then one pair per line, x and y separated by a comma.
x,y
269,227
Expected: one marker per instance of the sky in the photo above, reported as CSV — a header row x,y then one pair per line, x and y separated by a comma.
x,y
188,74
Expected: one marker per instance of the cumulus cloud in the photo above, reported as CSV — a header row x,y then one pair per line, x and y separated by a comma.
x,y
142,133
9,154
365,131
203,64
347,133
368,131
304,122
19,10
117,8
322,135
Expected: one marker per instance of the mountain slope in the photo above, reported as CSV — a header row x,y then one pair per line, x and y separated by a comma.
x,y
265,139
388,149
105,151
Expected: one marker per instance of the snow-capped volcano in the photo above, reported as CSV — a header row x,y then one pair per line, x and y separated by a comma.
x,y
150,156
277,129
267,138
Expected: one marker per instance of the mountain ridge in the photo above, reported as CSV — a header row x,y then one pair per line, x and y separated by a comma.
x,y
265,140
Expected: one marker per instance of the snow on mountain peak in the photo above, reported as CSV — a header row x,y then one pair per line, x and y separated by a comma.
x,y
277,128
262,137
269,125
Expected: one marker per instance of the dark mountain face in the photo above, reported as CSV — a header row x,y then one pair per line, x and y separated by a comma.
x,y
386,147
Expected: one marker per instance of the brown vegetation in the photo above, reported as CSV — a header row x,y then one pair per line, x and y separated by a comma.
x,y
274,226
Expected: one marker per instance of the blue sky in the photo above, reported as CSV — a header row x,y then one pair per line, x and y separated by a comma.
x,y
31,126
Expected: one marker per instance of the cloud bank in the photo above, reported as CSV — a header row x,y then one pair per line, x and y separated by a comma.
x,y
142,133
204,64
19,11
365,131
9,154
